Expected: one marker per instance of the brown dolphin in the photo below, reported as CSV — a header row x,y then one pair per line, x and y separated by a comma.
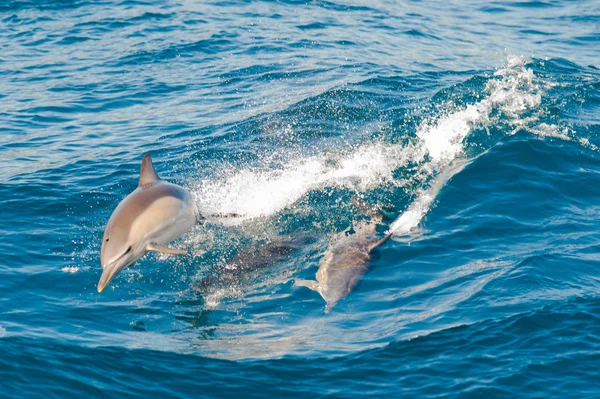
x,y
154,214
346,261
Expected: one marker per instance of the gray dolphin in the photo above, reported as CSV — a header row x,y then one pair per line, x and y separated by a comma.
x,y
345,261
154,214
244,264
248,262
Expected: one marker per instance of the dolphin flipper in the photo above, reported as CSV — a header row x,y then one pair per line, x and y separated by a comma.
x,y
164,250
312,284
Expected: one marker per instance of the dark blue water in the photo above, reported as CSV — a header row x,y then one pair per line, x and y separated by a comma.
x,y
475,127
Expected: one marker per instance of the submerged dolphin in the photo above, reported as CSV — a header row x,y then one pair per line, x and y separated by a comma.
x,y
154,214
345,261
251,261
246,263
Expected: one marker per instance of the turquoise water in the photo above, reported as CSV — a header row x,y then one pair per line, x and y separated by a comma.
x,y
474,127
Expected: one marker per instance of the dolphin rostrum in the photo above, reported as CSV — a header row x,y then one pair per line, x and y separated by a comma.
x,y
346,261
154,214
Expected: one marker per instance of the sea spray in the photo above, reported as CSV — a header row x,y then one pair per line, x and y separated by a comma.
x,y
430,156
261,192
440,143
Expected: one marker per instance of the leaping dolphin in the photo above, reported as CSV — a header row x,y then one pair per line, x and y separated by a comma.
x,y
154,214
346,261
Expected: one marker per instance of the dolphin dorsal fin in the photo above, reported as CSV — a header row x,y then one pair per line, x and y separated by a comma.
x,y
147,173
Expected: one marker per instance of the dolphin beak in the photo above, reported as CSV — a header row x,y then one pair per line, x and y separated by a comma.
x,y
108,273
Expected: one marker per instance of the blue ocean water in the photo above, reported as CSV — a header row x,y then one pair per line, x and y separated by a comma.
x,y
476,127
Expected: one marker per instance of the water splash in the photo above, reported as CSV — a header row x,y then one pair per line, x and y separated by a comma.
x,y
441,141
438,143
255,193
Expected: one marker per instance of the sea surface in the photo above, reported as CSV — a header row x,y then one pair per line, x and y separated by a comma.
x,y
474,127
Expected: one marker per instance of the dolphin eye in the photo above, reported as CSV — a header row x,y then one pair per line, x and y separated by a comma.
x,y
106,240
128,250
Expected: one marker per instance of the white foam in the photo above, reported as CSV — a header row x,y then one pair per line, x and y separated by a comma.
x,y
443,139
439,142
586,143
551,130
71,269
411,218
256,193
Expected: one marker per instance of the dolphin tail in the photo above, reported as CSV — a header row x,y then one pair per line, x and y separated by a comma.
x,y
378,243
312,284
388,235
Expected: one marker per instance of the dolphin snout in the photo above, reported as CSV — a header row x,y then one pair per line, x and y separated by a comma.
x,y
108,273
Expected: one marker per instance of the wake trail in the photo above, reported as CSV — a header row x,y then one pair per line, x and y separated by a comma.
x,y
438,150
441,142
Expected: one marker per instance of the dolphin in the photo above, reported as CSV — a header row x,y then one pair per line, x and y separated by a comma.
x,y
154,214
248,262
245,263
346,260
